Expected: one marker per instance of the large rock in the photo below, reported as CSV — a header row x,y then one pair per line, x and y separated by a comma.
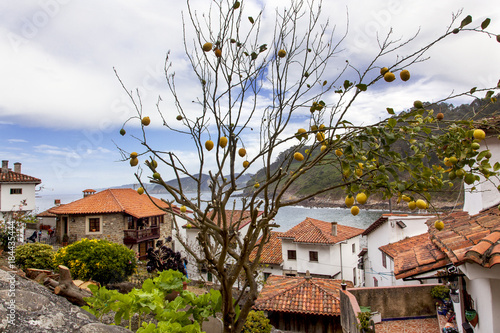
x,y
37,310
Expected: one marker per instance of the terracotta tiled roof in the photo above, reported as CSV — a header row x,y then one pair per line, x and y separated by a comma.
x,y
114,201
47,213
300,295
271,252
469,238
320,232
415,255
14,177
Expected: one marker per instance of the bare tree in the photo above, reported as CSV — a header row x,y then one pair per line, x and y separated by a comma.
x,y
248,81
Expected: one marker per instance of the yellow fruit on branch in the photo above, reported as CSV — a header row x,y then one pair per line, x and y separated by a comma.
x,y
440,116
418,104
389,77
421,204
384,70
133,154
339,152
134,161
439,225
358,172
412,205
156,176
320,136
146,121
246,164
242,152
298,156
323,148
479,134
406,198
281,53
349,201
209,145
223,142
354,210
301,134
361,198
154,164
256,185
183,209
404,75
140,190
218,53
207,47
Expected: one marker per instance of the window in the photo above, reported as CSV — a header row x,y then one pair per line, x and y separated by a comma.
x,y
16,191
94,224
292,255
353,247
384,260
375,282
266,275
354,279
313,255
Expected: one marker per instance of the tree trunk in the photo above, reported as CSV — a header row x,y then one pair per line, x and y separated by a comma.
x,y
68,289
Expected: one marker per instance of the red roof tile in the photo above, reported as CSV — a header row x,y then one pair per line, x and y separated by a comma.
x,y
469,238
271,251
300,295
415,255
320,232
114,201
14,177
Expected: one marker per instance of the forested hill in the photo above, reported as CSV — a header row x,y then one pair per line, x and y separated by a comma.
x,y
323,175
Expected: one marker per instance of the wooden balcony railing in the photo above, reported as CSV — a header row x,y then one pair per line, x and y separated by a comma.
x,y
132,236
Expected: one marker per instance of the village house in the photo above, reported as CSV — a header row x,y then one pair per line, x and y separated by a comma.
x,y
389,228
17,190
325,249
119,215
189,235
301,303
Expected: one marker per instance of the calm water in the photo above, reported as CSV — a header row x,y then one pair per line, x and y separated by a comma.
x,y
287,217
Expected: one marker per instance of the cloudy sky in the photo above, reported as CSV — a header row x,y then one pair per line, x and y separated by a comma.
x,y
61,105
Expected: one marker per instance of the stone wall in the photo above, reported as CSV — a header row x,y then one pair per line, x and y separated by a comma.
x,y
112,227
349,310
397,302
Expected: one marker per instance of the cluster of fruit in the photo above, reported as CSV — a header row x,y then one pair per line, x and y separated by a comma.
x,y
389,76
361,199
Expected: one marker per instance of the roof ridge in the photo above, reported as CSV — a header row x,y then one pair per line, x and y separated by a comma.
x,y
116,199
281,292
322,288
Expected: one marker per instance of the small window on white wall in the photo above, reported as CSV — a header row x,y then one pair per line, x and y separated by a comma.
x,y
353,247
16,191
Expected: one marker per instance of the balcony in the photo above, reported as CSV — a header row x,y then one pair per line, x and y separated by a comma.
x,y
132,236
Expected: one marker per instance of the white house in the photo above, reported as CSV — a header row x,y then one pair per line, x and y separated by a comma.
x,y
389,228
17,191
188,233
325,249
271,257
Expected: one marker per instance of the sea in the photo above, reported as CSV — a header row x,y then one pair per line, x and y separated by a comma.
x,y
287,217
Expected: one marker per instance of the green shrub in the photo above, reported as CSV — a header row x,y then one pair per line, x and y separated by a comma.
x,y
99,260
440,291
257,323
35,255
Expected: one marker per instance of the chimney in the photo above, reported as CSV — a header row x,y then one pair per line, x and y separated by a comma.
x,y
334,229
57,202
88,192
308,274
17,167
5,166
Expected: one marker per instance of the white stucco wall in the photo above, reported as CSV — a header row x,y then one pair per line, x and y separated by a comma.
x,y
486,193
389,232
483,285
9,202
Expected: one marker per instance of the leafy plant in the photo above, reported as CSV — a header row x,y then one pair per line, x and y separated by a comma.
x,y
99,260
364,320
34,255
185,313
12,225
440,292
257,322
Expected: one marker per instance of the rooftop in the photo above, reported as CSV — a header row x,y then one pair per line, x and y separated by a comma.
x,y
415,255
320,232
300,295
114,201
15,177
464,238
271,251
